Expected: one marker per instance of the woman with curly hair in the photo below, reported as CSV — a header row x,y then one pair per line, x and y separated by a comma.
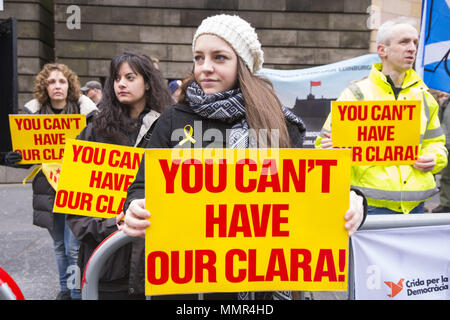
x,y
134,95
56,91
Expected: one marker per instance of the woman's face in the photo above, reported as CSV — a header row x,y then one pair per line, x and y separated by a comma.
x,y
216,64
57,86
129,86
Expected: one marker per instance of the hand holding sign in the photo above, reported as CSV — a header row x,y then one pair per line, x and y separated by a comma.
x,y
326,142
119,221
136,219
355,213
12,157
425,163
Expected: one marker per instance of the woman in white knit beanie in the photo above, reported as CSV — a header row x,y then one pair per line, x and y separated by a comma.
x,y
231,102
236,36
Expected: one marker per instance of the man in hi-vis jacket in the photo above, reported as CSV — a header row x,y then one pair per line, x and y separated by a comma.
x,y
397,188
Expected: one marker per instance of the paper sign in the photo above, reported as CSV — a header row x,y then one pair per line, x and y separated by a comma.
x,y
379,132
95,177
231,220
41,138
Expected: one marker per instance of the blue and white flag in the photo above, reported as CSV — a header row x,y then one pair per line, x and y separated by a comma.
x,y
434,46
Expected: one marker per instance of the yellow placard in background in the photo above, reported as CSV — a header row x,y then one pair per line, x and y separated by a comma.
x,y
41,138
379,132
95,177
232,220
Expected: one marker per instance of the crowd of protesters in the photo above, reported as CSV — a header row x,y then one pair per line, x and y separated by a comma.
x,y
137,107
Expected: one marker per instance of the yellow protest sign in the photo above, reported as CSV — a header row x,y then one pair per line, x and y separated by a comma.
x,y
41,138
229,220
95,177
379,132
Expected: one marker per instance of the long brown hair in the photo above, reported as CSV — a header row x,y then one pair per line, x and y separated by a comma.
x,y
113,121
263,108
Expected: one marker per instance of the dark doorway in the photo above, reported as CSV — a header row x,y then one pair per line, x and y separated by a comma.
x,y
8,79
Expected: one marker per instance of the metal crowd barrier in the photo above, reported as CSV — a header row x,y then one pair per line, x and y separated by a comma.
x,y
96,262
119,239
387,221
6,292
9,290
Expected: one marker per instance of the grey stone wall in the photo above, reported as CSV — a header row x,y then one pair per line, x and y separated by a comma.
x,y
35,41
294,33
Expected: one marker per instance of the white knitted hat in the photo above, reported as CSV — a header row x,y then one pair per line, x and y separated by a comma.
x,y
239,34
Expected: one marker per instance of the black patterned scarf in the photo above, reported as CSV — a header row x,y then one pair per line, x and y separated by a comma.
x,y
228,106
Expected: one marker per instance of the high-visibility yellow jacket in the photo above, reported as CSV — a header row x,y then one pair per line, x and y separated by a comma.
x,y
400,188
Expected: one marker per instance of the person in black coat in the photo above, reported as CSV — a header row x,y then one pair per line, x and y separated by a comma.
x,y
134,95
57,91
228,106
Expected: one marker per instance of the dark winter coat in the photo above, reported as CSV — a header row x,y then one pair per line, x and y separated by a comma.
x,y
116,275
177,117
43,192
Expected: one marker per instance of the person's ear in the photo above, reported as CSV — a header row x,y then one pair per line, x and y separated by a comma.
x,y
382,50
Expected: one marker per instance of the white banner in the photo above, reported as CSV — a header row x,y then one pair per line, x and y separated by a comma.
x,y
402,263
308,92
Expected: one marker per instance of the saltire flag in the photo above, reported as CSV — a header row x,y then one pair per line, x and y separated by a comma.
x,y
434,46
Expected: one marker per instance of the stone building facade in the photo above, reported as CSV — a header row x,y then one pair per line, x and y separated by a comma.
x,y
294,33
86,34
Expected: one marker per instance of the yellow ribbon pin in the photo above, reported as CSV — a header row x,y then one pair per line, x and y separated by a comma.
x,y
188,135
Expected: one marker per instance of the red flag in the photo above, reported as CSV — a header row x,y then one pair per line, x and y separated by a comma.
x,y
316,83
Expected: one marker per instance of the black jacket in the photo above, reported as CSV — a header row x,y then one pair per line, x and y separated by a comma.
x,y
43,192
168,132
120,268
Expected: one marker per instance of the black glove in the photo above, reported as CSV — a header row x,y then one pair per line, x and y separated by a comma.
x,y
12,157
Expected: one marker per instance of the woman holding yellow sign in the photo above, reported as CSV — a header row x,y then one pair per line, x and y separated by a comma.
x,y
134,95
224,94
56,91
